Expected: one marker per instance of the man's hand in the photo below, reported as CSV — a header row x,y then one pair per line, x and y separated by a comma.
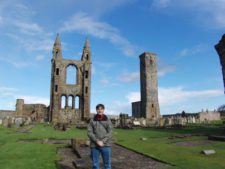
x,y
100,143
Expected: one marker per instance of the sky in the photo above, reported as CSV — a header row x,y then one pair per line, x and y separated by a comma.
x,y
181,32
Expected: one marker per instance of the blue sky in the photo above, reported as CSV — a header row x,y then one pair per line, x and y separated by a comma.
x,y
181,32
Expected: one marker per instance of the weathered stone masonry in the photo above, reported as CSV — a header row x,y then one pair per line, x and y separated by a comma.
x,y
148,107
78,93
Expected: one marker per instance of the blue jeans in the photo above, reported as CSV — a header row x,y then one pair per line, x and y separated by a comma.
x,y
95,156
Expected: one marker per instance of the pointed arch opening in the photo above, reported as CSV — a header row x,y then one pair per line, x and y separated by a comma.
x,y
63,102
77,102
71,74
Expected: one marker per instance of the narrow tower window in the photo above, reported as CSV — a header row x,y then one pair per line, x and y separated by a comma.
x,y
56,88
57,71
87,56
86,89
86,74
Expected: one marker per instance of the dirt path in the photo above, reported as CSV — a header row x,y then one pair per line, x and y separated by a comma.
x,y
122,158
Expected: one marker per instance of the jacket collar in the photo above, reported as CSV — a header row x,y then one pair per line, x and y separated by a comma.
x,y
105,118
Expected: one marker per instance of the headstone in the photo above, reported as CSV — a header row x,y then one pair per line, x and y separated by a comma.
x,y
136,123
5,122
143,122
208,152
18,122
0,121
45,141
144,139
162,122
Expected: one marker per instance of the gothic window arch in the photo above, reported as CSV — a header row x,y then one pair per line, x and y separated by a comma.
x,y
77,102
71,74
63,102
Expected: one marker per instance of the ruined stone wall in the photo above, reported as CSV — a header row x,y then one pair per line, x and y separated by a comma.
x,y
136,109
37,112
209,116
7,113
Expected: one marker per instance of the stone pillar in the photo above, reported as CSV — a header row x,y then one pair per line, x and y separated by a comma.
x,y
73,102
19,107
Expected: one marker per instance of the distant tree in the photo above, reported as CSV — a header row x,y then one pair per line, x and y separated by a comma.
x,y
183,113
221,108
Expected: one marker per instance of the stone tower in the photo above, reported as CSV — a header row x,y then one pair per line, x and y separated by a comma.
x,y
19,107
70,103
220,48
149,86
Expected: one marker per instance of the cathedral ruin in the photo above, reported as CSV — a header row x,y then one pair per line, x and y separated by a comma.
x,y
70,103
148,107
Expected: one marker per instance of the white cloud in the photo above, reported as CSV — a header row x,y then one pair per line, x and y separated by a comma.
x,y
116,107
175,99
164,68
31,43
135,76
39,57
86,24
161,3
1,20
133,97
207,12
20,26
168,96
28,27
17,63
34,99
192,51
7,91
176,95
104,82
130,77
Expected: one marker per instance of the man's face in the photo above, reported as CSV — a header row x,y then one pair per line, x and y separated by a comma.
x,y
100,111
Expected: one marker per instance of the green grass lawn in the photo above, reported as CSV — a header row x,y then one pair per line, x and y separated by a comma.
x,y
18,155
160,147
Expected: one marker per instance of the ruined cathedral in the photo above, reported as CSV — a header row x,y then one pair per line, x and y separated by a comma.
x,y
70,103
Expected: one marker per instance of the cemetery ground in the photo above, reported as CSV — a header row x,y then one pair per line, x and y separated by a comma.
x,y
179,148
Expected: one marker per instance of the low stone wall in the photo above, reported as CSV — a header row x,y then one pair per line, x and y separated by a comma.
x,y
209,116
18,121
7,113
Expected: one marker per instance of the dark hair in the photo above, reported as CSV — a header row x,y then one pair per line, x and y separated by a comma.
x,y
100,105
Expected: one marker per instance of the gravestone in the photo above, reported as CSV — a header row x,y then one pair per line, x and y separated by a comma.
x,y
5,122
18,122
209,152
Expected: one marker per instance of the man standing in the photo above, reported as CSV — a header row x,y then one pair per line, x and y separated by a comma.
x,y
100,134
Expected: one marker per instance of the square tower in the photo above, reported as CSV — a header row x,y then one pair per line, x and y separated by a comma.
x,y
149,86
